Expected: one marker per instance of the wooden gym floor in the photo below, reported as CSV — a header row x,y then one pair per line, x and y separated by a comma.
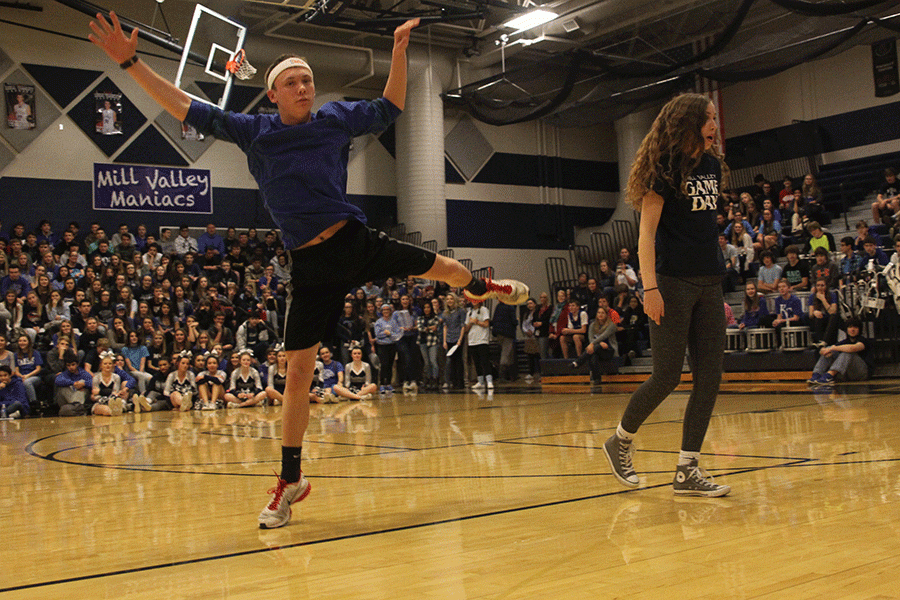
x,y
461,496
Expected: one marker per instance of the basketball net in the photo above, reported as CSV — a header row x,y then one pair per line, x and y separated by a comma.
x,y
240,66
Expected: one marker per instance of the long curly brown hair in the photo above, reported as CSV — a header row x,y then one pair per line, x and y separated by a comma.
x,y
668,147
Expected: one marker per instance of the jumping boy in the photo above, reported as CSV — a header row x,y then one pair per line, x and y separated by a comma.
x,y
299,159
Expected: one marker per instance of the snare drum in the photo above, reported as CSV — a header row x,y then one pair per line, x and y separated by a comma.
x,y
734,340
804,298
770,302
760,340
794,339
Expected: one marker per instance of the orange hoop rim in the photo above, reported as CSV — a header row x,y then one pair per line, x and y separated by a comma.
x,y
235,63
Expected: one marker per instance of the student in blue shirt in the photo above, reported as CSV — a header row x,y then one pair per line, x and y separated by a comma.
x,y
299,160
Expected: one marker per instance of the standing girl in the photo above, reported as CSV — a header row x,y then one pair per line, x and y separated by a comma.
x,y
478,323
675,183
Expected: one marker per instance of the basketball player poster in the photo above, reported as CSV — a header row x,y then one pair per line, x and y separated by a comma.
x,y
109,113
189,133
20,112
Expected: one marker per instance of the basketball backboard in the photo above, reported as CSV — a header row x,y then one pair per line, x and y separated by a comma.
x,y
212,40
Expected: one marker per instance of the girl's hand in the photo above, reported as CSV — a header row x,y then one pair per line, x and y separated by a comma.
x,y
653,305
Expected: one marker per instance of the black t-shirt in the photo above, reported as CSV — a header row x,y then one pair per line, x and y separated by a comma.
x,y
795,274
889,190
866,354
687,237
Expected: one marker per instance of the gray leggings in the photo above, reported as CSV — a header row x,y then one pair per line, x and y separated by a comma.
x,y
694,319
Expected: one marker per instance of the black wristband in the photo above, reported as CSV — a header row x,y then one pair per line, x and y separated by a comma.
x,y
128,63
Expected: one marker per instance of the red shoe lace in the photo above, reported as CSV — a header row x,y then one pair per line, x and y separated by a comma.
x,y
278,490
502,289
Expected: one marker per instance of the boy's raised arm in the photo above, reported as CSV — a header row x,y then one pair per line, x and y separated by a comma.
x,y
122,49
395,89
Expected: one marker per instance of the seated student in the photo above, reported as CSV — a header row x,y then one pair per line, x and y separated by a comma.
x,y
788,309
73,384
823,314
732,259
136,355
246,386
862,232
756,311
738,217
769,273
769,233
824,268
632,329
886,208
772,205
798,215
602,344
818,239
850,359
743,242
895,257
626,275
108,392
358,378
13,398
211,385
277,379
253,335
871,252
181,384
574,331
796,272
851,262
28,366
134,401
332,375
730,321
156,387
786,194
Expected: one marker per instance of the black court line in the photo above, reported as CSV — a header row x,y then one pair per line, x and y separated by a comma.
x,y
346,537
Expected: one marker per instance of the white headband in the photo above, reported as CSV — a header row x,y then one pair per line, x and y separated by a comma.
x,y
286,64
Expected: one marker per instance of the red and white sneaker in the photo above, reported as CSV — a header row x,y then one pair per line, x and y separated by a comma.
x,y
507,291
277,512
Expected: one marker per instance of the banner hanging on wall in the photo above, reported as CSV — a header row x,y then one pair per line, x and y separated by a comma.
x,y
884,68
152,189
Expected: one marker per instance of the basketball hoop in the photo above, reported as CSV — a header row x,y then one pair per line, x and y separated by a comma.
x,y
240,66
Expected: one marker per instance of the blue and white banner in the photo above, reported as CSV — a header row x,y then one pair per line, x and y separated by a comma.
x,y
152,189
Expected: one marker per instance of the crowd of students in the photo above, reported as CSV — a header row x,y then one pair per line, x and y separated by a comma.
x,y
93,324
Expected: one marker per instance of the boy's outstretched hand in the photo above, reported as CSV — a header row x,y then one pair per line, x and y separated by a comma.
x,y
401,34
113,40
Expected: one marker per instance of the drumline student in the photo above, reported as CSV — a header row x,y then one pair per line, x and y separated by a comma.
x,y
299,159
675,183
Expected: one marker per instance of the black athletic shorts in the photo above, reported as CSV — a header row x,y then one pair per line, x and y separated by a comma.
x,y
322,275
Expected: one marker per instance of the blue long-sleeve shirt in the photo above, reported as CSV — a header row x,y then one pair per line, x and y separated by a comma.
x,y
215,241
15,392
127,380
751,318
301,169
67,379
387,332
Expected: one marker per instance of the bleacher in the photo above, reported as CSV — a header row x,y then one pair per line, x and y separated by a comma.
x,y
848,187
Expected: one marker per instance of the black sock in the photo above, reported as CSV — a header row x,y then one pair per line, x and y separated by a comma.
x,y
477,287
290,463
